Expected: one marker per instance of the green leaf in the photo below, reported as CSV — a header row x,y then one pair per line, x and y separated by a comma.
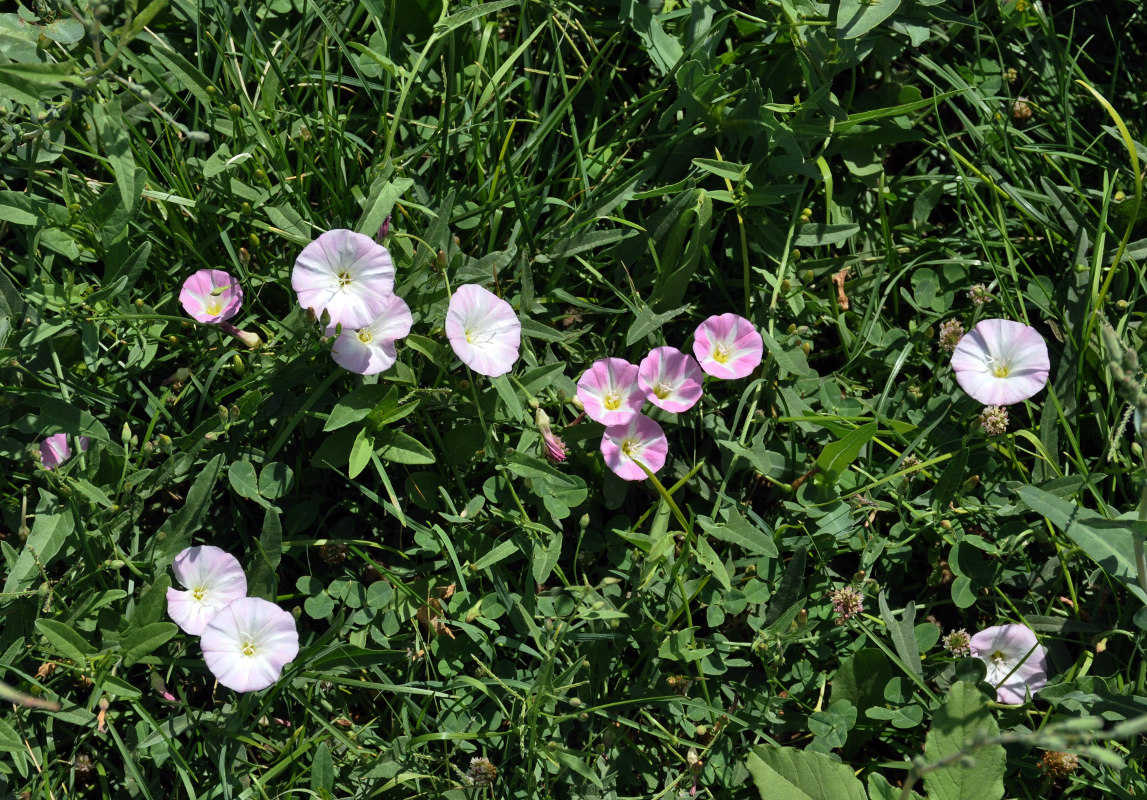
x,y
360,453
261,578
784,773
398,448
146,640
499,553
322,771
838,456
739,531
115,133
359,404
65,640
854,18
470,14
509,396
186,521
790,592
880,789
186,73
49,532
1109,543
14,211
118,687
708,558
275,480
817,234
903,633
152,602
647,322
862,677
241,476
963,718
791,360
722,169
544,556
383,195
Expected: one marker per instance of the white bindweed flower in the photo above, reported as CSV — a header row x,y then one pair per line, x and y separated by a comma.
x,y
247,644
1000,362
347,274
1017,662
213,579
370,349
483,330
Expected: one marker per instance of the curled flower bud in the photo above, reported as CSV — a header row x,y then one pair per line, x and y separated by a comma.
x,y
555,448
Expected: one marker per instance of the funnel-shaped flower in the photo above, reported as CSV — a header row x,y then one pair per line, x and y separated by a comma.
x,y
640,439
670,379
247,644
213,579
211,296
55,450
1000,362
483,330
347,274
1017,663
370,349
609,391
728,346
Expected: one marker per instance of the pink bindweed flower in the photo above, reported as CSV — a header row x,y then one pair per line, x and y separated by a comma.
x,y
251,340
55,450
247,644
370,349
347,274
1000,362
728,346
670,379
483,330
1017,662
640,439
610,392
555,448
213,579
211,296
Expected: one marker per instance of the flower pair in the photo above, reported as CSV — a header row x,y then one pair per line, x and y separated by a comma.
x,y
246,641
351,277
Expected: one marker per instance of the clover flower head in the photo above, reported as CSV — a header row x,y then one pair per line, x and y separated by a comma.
x,y
247,644
670,379
951,331
55,450
1000,362
728,346
211,296
555,448
638,440
994,420
482,772
610,392
958,642
483,330
213,579
1017,662
979,295
347,274
847,603
370,349
1058,764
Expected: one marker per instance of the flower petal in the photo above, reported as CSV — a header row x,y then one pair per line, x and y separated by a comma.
x,y
248,643
213,579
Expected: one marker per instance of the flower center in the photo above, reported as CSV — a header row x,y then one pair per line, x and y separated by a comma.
x,y
721,353
631,447
998,658
662,390
1000,370
199,592
469,336
364,335
214,306
248,647
344,279
612,400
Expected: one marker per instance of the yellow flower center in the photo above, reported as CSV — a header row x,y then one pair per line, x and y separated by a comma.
x,y
248,647
344,279
199,592
469,336
631,447
721,353
214,306
611,401
1000,370
998,657
364,335
662,390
